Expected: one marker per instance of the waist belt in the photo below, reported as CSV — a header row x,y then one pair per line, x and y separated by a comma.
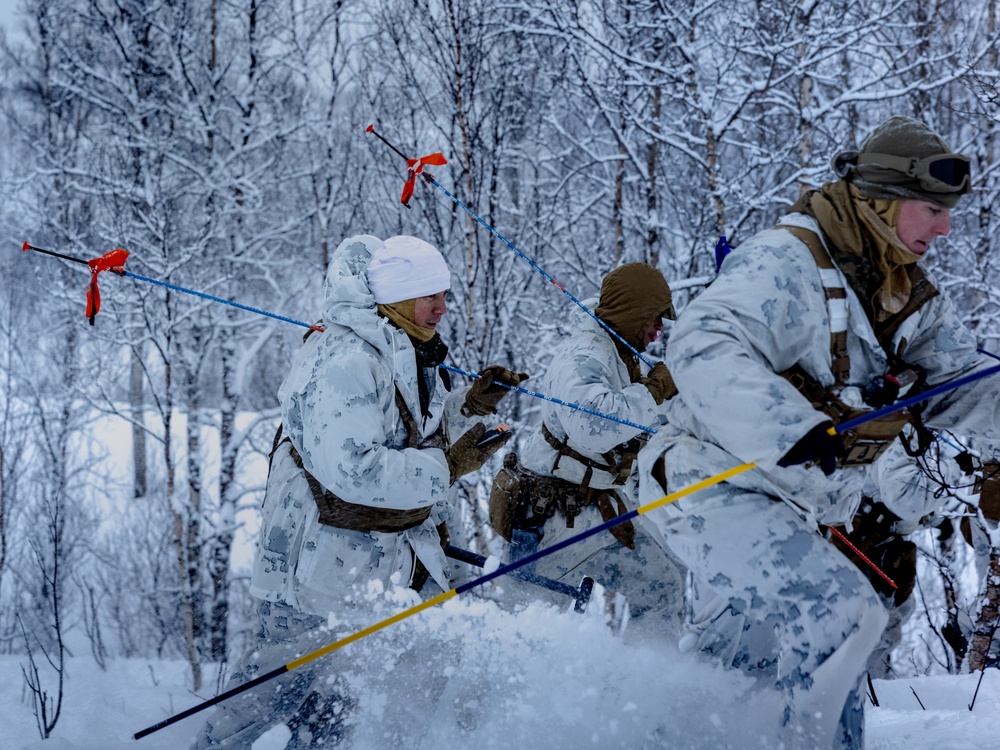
x,y
529,499
336,512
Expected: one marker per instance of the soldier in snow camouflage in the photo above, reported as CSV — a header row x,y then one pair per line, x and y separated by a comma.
x,y
578,470
800,321
357,499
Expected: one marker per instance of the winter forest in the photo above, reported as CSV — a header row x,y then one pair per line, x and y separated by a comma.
x,y
223,144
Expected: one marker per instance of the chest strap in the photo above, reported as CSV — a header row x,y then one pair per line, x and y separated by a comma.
x,y
619,460
836,301
868,441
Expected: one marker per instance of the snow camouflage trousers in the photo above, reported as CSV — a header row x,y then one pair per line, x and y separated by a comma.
x,y
313,704
649,577
807,617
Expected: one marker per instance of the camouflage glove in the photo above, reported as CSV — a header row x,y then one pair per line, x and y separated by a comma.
x,y
819,447
660,383
485,394
464,457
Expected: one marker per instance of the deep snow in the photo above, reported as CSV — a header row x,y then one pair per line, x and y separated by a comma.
x,y
483,677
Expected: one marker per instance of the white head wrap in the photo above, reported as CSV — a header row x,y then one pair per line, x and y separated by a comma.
x,y
406,268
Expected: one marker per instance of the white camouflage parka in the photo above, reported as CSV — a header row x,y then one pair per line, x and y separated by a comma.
x,y
587,370
765,312
338,407
751,542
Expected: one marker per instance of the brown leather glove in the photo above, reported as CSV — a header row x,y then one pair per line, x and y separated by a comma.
x,y
464,457
485,394
660,383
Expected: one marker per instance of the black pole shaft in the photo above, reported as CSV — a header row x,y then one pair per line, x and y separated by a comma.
x,y
211,702
57,255
378,135
560,587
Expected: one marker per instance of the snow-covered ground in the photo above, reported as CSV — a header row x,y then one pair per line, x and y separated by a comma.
x,y
484,677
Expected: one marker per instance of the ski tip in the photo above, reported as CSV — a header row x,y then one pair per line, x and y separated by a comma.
x,y
25,247
370,128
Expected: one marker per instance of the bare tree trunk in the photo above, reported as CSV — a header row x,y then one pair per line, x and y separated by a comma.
x,y
652,196
178,515
194,510
989,617
951,632
3,513
617,220
136,400
220,545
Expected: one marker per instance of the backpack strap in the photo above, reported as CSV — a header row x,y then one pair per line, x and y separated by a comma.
x,y
836,300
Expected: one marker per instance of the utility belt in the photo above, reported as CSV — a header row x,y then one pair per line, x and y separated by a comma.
x,y
333,511
864,443
618,461
523,499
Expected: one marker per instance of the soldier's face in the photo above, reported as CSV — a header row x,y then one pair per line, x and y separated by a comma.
x,y
652,333
428,311
919,223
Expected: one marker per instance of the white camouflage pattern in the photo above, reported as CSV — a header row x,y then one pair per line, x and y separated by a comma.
x,y
586,370
338,408
765,312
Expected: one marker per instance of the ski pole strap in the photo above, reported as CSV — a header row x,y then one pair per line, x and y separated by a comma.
x,y
113,260
415,167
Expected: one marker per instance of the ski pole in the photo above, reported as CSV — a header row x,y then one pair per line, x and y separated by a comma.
x,y
554,400
119,270
580,595
439,599
415,167
535,556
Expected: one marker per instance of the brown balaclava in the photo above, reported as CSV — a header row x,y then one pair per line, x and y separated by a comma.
x,y
402,314
632,296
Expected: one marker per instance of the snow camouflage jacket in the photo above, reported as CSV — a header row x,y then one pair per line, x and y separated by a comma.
x,y
338,407
765,312
586,370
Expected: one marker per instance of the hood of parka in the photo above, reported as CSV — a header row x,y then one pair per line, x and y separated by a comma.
x,y
632,296
347,299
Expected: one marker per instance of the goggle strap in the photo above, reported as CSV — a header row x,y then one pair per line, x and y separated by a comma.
x,y
898,163
918,168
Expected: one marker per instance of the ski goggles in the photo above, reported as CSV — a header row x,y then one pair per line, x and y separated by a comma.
x,y
944,173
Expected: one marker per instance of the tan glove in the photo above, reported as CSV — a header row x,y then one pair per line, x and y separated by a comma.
x,y
464,457
485,394
660,383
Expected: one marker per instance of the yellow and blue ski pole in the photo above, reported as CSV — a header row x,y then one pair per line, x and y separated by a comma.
x,y
535,556
441,598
